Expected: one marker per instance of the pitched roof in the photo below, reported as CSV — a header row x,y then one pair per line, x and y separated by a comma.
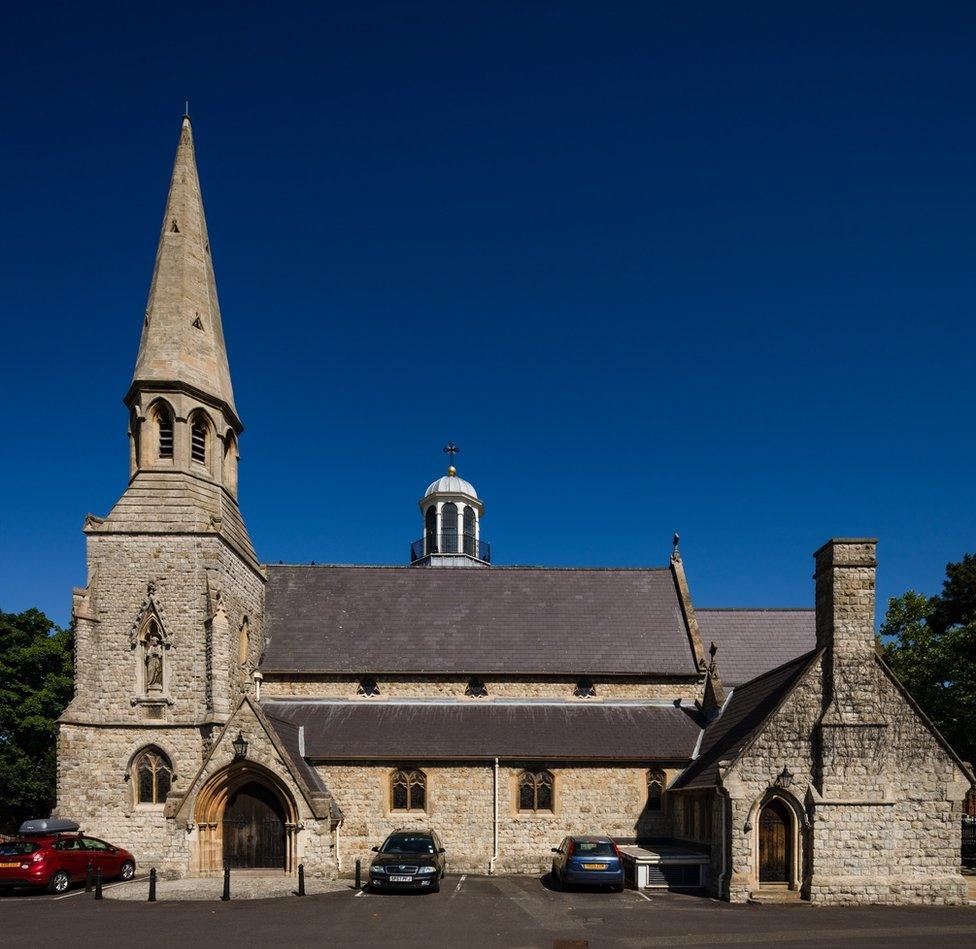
x,y
182,335
337,729
744,713
469,620
753,641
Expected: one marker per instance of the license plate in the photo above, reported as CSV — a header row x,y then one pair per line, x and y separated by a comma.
x,y
401,879
594,866
7,865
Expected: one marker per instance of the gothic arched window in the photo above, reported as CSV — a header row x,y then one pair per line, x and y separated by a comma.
x,y
408,790
449,531
164,431
655,789
154,776
535,791
230,463
430,528
198,440
470,542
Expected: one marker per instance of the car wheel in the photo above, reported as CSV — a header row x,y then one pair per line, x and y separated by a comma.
x,y
436,888
59,883
128,870
619,888
557,884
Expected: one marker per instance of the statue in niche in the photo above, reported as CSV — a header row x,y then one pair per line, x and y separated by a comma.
x,y
154,660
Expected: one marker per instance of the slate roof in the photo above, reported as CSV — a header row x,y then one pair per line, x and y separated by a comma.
x,y
341,619
741,718
752,641
288,733
454,730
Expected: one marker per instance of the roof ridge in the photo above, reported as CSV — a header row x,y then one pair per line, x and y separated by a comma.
x,y
755,609
494,568
783,665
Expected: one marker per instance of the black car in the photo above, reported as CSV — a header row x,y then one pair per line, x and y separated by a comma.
x,y
408,860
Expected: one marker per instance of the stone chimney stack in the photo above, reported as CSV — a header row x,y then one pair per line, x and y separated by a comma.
x,y
852,725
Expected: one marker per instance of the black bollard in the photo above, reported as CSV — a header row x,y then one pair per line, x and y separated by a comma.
x,y
301,879
359,874
88,877
226,895
98,883
152,885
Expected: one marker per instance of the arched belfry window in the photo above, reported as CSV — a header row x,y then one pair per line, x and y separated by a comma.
x,y
655,789
198,440
449,528
408,790
153,773
470,540
535,791
430,529
230,463
164,431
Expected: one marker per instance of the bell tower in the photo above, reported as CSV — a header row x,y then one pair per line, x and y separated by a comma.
x,y
169,626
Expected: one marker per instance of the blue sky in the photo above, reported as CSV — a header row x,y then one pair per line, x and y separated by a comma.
x,y
654,267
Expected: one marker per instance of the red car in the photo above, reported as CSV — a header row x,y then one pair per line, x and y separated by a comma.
x,y
54,858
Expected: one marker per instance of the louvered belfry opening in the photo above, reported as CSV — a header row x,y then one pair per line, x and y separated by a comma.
x,y
165,421
198,442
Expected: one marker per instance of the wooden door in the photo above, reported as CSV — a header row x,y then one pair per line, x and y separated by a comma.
x,y
254,829
774,843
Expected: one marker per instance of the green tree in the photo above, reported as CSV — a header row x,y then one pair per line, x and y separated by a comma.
x,y
35,686
930,643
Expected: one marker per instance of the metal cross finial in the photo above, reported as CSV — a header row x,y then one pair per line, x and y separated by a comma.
x,y
451,449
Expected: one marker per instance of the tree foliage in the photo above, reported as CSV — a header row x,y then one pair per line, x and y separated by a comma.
x,y
930,643
35,686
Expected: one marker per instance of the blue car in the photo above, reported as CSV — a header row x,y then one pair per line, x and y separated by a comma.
x,y
591,861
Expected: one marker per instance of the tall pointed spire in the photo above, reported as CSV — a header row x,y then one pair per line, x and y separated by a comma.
x,y
182,336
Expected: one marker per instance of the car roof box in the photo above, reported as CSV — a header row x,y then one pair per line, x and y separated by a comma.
x,y
50,825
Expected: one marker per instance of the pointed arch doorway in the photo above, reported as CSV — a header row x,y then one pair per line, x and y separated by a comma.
x,y
246,818
775,843
254,829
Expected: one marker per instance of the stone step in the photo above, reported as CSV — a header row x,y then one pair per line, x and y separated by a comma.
x,y
774,894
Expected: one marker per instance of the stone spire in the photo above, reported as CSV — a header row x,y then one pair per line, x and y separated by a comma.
x,y
182,343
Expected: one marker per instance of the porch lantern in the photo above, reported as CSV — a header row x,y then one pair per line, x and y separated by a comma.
x,y
785,778
240,746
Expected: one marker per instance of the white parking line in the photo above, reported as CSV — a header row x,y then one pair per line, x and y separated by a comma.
x,y
644,896
105,886
464,876
363,892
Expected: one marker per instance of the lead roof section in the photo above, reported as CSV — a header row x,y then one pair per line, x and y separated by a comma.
x,y
752,641
393,730
505,620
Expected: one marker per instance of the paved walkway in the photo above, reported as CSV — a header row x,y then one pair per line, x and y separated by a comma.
x,y
242,887
473,913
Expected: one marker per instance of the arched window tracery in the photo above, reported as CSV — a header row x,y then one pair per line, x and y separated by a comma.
x,y
153,776
655,789
408,790
535,791
199,431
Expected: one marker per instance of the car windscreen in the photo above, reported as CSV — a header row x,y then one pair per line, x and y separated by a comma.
x,y
17,848
408,843
593,848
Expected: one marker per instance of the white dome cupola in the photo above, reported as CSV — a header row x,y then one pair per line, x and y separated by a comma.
x,y
452,513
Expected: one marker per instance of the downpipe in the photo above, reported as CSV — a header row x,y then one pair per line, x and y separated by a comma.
x,y
494,825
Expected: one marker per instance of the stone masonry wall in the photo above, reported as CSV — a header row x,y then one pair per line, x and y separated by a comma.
x,y
96,790
587,799
898,845
338,686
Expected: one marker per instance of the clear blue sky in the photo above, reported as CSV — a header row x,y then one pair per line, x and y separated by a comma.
x,y
654,267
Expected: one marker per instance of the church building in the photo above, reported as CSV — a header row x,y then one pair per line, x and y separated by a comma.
x,y
232,712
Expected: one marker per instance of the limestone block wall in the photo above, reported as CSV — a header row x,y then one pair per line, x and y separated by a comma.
x,y
897,844
647,688
587,799
121,567
96,790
